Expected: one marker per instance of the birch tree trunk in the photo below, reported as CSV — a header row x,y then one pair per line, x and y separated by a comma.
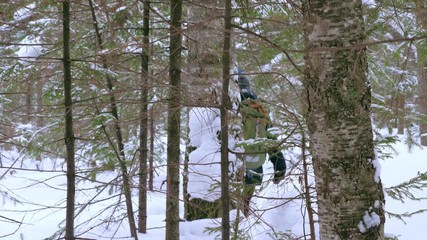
x,y
174,123
421,14
350,195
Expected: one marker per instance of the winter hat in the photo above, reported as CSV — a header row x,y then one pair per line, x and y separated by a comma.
x,y
245,86
243,81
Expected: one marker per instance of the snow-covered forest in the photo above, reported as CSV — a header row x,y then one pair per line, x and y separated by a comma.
x,y
136,119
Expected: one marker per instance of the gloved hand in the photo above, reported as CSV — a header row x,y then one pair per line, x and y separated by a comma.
x,y
254,176
279,164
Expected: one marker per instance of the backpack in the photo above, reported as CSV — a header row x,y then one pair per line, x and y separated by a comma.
x,y
255,121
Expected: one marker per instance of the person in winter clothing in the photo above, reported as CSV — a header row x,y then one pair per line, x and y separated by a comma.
x,y
256,121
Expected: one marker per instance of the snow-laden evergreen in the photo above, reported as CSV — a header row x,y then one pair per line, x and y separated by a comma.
x,y
205,161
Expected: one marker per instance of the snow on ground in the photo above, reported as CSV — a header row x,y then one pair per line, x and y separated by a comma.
x,y
396,170
41,197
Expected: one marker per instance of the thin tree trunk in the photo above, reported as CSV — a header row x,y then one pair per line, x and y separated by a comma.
x,y
422,88
400,112
421,15
204,64
142,217
28,93
152,136
69,135
310,211
400,95
188,150
225,105
349,190
204,52
39,90
174,123
118,133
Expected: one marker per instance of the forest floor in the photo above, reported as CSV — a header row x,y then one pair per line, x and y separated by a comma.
x,y
32,204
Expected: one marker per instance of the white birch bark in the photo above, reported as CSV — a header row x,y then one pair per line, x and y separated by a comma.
x,y
350,195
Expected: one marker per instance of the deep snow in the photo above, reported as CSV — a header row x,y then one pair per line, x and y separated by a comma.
x,y
41,197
